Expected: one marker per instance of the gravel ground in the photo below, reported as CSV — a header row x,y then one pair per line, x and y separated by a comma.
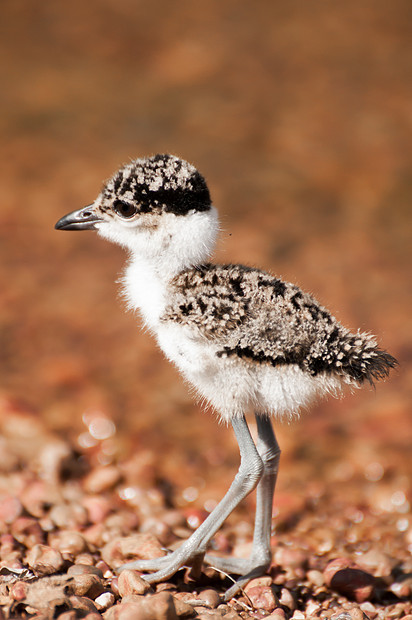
x,y
68,521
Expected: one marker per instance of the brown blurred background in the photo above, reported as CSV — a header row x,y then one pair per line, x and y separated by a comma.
x,y
298,114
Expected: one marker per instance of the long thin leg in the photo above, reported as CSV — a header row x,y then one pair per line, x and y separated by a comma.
x,y
260,558
250,471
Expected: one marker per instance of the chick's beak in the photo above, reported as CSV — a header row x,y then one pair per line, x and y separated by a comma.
x,y
82,219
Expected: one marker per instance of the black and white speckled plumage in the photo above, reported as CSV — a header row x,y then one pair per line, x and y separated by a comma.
x,y
263,320
162,183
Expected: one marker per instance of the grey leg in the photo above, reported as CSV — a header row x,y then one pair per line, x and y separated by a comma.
x,y
260,558
250,471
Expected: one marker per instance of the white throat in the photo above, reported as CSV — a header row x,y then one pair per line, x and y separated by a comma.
x,y
158,254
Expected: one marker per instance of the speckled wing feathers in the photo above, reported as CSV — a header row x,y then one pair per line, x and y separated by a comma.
x,y
254,316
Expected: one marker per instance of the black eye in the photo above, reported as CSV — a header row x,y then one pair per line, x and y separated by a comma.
x,y
124,209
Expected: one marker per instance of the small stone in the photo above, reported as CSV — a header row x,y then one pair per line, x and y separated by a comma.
x,y
87,585
121,550
298,615
183,610
156,607
44,560
18,591
71,542
83,604
376,561
102,479
86,559
161,606
287,599
84,569
98,508
357,614
104,601
265,580
10,508
277,614
68,615
262,597
402,589
345,577
368,609
130,582
126,611
315,578
211,597
312,608
27,531
287,557
104,569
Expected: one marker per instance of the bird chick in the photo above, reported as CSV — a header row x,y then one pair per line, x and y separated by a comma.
x,y
244,339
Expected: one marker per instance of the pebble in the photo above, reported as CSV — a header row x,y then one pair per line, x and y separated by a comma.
x,y
86,559
10,508
210,596
68,615
402,589
44,560
71,542
27,531
315,578
102,479
298,615
183,610
18,590
87,585
277,614
157,607
104,601
130,582
287,599
262,597
83,604
345,577
258,581
376,561
84,569
121,550
287,557
97,508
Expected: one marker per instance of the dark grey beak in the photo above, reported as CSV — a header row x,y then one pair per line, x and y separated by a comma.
x,y
82,219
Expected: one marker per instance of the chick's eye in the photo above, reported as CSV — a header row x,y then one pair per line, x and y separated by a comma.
x,y
124,209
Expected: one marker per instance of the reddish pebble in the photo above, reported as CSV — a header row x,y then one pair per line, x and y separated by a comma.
x,y
71,542
130,582
18,590
27,531
84,569
68,615
120,550
262,597
97,508
287,557
345,577
102,479
157,607
210,596
83,604
44,560
10,508
87,585
277,614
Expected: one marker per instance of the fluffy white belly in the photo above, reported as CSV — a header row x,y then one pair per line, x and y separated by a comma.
x,y
233,386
